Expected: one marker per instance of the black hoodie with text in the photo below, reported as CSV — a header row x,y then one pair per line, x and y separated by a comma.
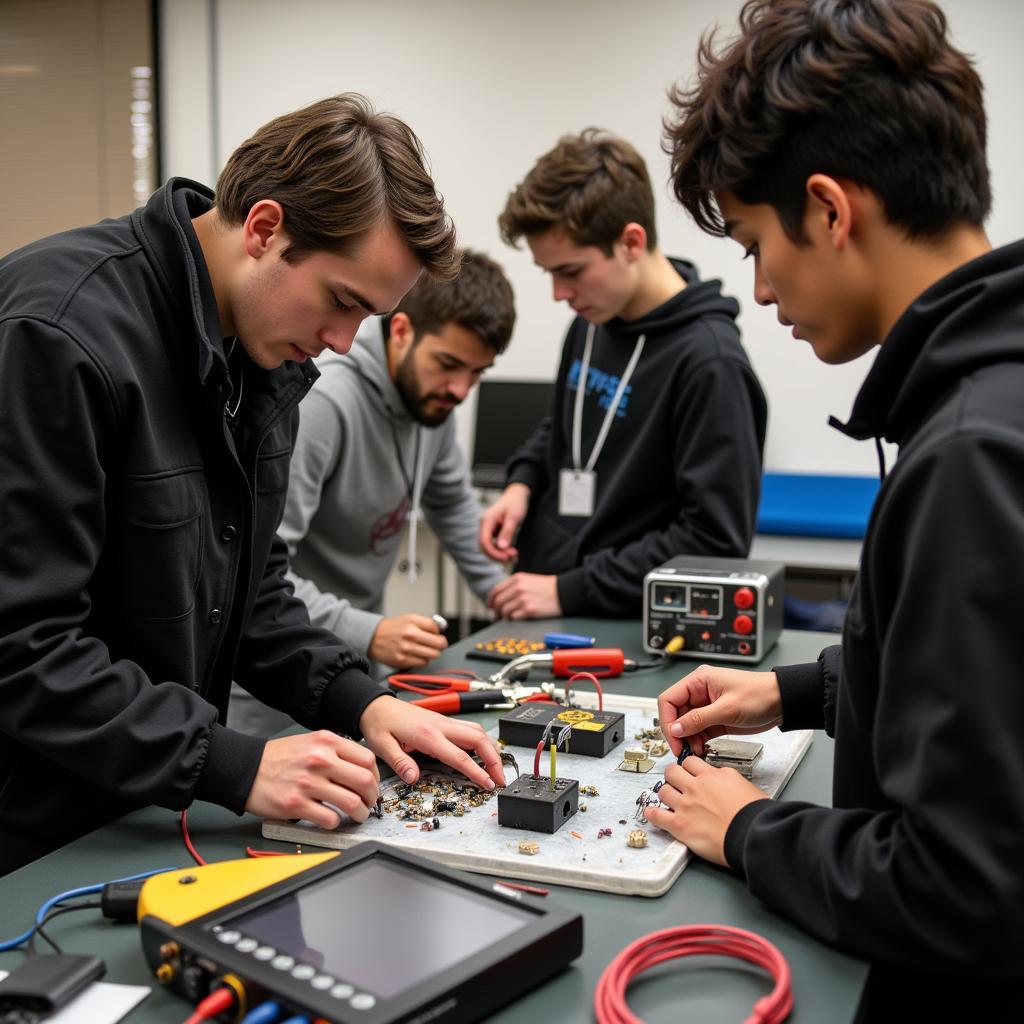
x,y
919,866
680,471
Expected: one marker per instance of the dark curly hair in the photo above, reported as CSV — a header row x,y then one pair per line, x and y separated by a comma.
x,y
871,91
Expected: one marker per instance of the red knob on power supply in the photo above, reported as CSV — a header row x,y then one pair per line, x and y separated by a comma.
x,y
742,624
743,598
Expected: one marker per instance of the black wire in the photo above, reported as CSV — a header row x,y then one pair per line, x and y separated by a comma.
x,y
658,659
61,908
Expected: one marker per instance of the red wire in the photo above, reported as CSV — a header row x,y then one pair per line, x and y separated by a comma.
x,y
218,1001
698,939
536,760
590,678
187,839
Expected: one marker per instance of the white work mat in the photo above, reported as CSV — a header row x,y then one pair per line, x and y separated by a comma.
x,y
574,855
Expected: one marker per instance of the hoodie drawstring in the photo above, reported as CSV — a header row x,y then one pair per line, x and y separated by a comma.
x,y
414,512
881,457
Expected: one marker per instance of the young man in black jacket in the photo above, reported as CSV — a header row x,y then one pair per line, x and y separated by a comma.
x,y
654,441
150,369
841,143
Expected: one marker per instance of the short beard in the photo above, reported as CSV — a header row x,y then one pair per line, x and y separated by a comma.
x,y
407,384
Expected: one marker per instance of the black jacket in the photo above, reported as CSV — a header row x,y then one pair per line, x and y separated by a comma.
x,y
680,472
920,866
140,569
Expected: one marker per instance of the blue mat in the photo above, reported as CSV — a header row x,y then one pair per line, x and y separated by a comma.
x,y
813,505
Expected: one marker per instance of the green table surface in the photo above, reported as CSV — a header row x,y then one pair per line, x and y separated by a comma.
x,y
826,984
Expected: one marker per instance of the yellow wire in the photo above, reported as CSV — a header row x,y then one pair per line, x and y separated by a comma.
x,y
553,749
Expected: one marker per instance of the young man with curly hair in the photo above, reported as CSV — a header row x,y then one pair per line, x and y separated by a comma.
x,y
841,144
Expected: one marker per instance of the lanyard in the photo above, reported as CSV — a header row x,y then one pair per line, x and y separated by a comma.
x,y
577,417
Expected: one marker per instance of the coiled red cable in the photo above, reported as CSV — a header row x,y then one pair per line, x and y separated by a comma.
x,y
697,939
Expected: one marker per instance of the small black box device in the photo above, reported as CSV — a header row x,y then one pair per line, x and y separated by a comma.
x,y
594,733
722,608
531,802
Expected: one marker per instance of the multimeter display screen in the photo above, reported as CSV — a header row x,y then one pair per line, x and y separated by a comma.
x,y
382,926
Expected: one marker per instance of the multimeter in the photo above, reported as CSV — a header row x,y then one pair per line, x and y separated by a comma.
x,y
379,935
724,608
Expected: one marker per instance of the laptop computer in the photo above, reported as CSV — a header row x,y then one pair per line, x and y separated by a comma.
x,y
507,413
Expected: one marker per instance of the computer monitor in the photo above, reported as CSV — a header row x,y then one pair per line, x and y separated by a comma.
x,y
507,413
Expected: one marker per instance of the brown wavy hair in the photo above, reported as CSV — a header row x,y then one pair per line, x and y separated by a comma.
x,y
872,91
338,168
591,185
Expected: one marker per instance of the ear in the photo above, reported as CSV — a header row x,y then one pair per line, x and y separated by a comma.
x,y
633,241
401,334
264,228
831,210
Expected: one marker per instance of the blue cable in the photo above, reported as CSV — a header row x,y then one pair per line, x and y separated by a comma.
x,y
297,1019
71,894
265,1013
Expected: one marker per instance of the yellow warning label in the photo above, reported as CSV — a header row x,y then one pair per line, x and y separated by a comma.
x,y
574,715
590,726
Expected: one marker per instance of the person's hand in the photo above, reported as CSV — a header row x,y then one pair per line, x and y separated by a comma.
x,y
299,775
393,727
499,523
701,801
406,641
525,595
711,702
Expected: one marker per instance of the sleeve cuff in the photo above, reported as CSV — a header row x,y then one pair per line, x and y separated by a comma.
x,y
345,700
801,689
229,769
736,834
572,596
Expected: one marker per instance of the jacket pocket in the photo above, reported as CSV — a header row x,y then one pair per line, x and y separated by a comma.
x,y
160,546
272,471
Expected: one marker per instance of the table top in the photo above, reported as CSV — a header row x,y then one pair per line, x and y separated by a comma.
x,y
826,983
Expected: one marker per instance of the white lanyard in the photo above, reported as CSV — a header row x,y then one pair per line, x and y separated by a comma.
x,y
609,416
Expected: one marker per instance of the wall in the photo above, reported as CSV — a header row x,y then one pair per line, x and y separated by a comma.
x,y
489,85
76,114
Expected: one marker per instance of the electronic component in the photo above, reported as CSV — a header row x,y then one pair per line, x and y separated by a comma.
x,y
635,759
742,755
505,648
308,932
43,984
532,803
594,733
725,608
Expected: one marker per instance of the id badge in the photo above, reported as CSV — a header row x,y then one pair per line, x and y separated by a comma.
x,y
576,489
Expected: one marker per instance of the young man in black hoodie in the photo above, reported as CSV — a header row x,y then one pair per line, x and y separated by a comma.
x,y
841,143
653,445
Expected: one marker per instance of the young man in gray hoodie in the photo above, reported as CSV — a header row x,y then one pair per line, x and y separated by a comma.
x,y
376,449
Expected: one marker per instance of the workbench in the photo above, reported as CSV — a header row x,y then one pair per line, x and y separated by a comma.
x,y
826,984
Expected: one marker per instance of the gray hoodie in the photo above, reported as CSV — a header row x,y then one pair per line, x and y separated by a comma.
x,y
349,496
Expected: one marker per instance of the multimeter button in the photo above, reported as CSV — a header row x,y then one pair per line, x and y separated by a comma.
x,y
362,1001
743,624
342,991
284,962
303,972
265,953
229,938
322,982
744,598
246,945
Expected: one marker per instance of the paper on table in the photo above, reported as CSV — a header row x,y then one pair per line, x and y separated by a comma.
x,y
101,1003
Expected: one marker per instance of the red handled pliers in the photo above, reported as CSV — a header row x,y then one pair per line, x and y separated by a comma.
x,y
459,692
